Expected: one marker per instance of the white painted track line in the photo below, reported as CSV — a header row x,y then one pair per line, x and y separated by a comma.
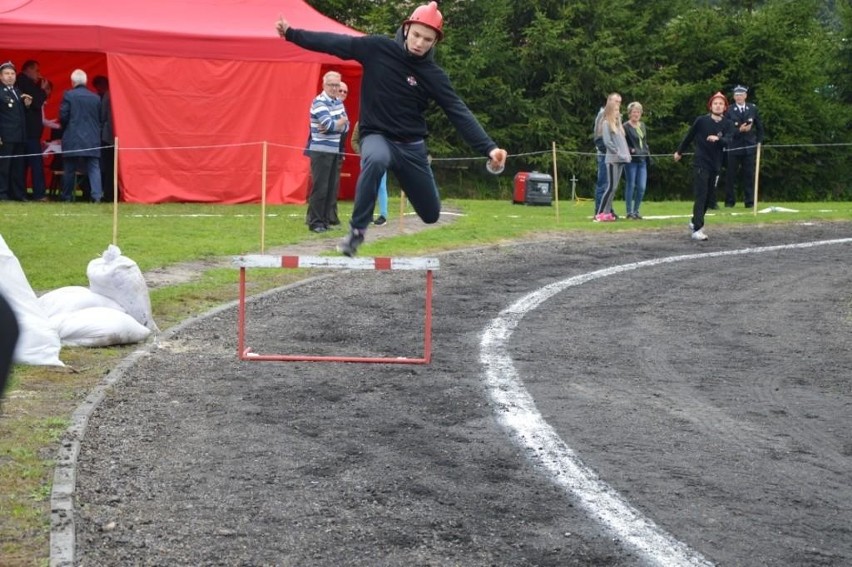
x,y
517,411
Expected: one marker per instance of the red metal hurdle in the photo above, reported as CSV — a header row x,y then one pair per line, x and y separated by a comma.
x,y
267,261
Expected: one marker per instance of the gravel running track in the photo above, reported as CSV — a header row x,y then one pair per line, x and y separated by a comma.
x,y
711,394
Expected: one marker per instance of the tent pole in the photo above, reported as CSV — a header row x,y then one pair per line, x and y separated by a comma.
x,y
555,183
115,192
263,198
756,180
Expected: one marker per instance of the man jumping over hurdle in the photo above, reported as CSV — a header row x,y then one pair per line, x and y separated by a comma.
x,y
400,78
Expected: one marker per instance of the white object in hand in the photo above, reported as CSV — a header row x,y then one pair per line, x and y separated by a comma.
x,y
495,169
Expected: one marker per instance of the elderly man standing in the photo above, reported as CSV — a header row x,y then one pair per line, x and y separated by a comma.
x,y
328,123
80,116
13,105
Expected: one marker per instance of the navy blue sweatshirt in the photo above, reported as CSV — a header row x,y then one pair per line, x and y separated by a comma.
x,y
397,87
708,155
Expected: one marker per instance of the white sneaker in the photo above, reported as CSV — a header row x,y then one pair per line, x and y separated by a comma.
x,y
691,227
699,235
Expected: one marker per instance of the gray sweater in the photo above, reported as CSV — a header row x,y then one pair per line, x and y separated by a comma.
x,y
616,145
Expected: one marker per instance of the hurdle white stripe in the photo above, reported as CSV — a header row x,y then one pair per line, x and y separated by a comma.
x,y
517,411
336,262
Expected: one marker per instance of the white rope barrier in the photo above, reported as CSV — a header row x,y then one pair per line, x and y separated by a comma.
x,y
434,159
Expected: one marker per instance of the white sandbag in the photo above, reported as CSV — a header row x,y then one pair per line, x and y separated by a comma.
x,y
38,342
119,278
99,327
73,298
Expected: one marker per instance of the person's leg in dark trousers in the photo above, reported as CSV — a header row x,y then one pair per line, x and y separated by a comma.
x,y
5,172
323,168
601,180
35,163
8,338
734,160
107,173
748,164
330,215
18,185
69,174
701,185
410,164
631,172
412,170
375,161
93,172
711,193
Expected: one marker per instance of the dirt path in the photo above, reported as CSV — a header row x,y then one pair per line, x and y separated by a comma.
x,y
710,394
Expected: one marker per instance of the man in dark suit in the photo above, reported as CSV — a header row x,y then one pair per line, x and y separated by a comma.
x,y
742,149
13,104
29,82
80,116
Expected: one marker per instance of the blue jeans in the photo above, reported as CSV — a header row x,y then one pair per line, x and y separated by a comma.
x,y
383,196
635,180
91,166
601,182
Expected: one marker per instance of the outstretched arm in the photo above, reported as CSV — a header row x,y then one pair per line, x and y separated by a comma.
x,y
281,26
339,45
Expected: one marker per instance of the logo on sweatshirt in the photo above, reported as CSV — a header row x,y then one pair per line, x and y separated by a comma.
x,y
412,80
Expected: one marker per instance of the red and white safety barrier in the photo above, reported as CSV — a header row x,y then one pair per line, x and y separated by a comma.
x,y
341,262
333,262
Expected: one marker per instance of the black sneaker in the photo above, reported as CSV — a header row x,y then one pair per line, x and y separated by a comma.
x,y
380,220
350,243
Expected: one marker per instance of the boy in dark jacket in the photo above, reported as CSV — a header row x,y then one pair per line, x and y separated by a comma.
x,y
711,132
400,78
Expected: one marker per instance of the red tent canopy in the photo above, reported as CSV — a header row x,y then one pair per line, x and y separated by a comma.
x,y
197,86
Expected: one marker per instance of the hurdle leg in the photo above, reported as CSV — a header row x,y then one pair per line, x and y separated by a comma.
x,y
427,332
241,316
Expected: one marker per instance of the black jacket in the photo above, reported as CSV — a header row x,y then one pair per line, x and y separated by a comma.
x,y
35,127
708,155
638,144
396,87
12,116
746,140
80,116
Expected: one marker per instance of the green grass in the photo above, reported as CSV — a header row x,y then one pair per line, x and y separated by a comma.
x,y
55,242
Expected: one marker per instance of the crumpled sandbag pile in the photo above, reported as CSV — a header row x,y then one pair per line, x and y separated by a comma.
x,y
115,309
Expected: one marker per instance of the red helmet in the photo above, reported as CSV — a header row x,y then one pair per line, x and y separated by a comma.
x,y
429,16
716,95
